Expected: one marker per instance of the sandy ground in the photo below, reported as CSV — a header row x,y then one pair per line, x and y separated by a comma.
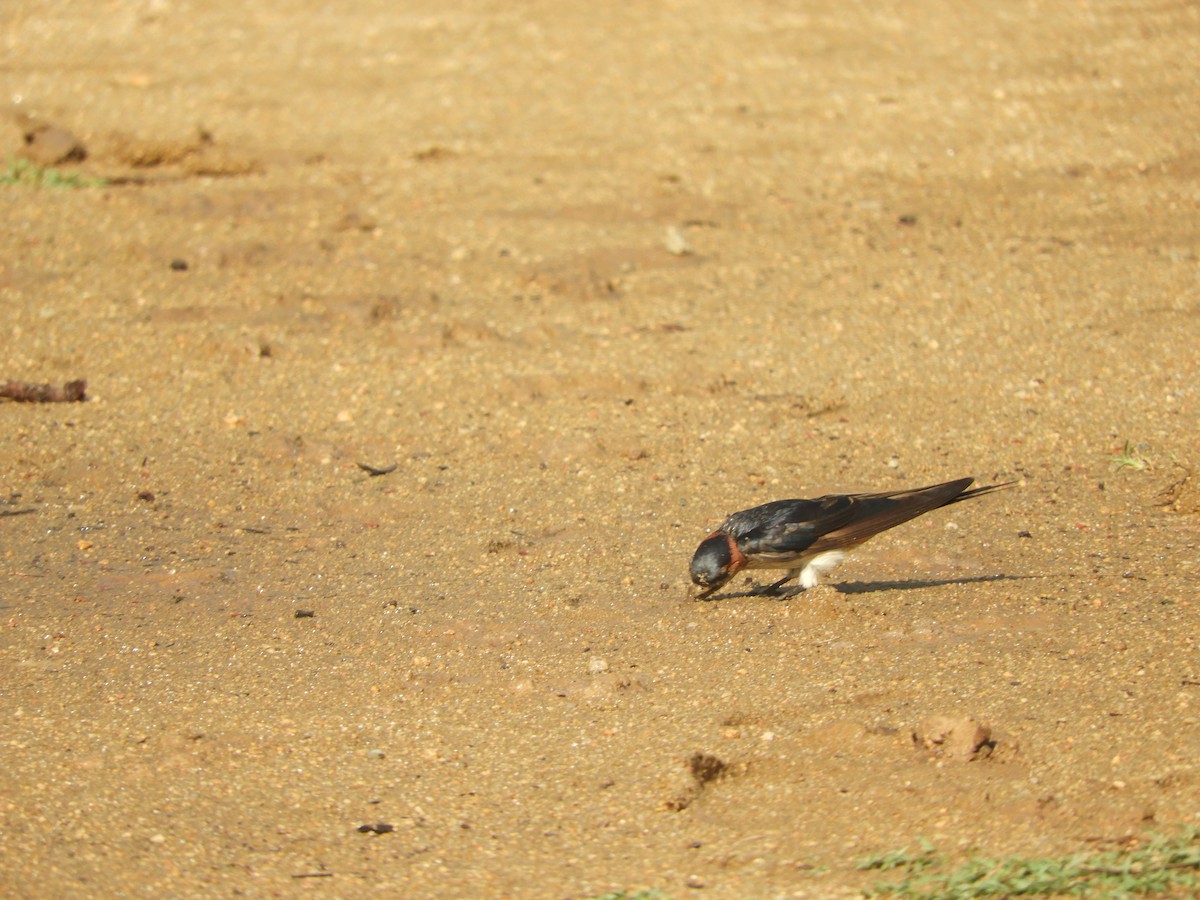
x,y
590,276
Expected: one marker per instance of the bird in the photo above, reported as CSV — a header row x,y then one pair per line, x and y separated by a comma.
x,y
810,537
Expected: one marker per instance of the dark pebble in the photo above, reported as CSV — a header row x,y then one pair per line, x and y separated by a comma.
x,y
377,828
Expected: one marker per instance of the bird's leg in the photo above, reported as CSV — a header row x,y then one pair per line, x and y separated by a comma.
x,y
773,589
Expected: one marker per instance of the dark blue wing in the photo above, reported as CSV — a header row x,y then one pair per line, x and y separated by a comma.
x,y
789,526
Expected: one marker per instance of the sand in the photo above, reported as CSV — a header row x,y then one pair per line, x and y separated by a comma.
x,y
589,278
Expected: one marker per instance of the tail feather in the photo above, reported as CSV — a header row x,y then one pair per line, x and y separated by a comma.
x,y
980,491
887,509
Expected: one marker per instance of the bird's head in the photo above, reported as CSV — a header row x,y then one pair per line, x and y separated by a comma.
x,y
716,560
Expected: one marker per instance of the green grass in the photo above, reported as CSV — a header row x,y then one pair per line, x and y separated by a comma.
x,y
896,859
1165,864
24,172
1132,457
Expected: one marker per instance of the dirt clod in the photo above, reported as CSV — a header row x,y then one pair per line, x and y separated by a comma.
x,y
954,737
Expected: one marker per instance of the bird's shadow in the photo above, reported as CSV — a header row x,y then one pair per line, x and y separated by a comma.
x,y
865,587
912,584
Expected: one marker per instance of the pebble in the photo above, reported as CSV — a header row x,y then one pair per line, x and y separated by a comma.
x,y
49,145
676,243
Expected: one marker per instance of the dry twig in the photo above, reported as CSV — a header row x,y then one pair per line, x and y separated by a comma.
x,y
28,392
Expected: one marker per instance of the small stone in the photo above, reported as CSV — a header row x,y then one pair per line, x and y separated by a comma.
x,y
676,243
49,145
597,665
377,828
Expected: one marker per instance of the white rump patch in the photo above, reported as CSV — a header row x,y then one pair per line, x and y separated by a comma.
x,y
810,576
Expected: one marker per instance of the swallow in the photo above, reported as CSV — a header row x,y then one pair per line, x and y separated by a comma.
x,y
810,537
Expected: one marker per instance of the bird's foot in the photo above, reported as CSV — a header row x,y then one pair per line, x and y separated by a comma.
x,y
776,589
